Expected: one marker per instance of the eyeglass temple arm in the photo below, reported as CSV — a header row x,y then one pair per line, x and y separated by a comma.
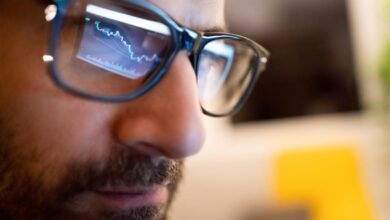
x,y
61,4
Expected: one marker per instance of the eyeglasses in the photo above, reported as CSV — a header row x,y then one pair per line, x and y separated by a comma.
x,y
115,51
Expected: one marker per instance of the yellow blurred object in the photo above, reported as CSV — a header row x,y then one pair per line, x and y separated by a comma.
x,y
325,180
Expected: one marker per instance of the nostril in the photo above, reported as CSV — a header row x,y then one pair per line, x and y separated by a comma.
x,y
143,148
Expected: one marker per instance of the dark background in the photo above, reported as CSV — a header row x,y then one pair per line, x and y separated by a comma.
x,y
311,69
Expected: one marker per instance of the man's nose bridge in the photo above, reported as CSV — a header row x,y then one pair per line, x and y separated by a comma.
x,y
168,119
191,40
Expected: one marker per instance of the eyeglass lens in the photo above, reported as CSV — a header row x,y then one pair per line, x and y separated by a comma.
x,y
109,50
226,68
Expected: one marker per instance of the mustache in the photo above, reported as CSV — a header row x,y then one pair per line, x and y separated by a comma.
x,y
121,169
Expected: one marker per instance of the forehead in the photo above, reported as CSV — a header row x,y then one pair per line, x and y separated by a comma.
x,y
196,14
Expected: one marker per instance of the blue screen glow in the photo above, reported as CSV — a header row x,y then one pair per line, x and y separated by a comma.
x,y
121,49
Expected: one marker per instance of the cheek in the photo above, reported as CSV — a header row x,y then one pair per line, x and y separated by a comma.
x,y
50,128
56,125
70,127
52,134
24,41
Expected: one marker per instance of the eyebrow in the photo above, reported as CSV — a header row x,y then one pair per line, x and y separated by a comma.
x,y
128,19
214,29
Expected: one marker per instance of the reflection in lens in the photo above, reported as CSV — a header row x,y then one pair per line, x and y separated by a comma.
x,y
225,70
114,50
106,45
217,60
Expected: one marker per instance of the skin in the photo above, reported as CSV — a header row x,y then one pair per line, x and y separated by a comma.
x,y
50,140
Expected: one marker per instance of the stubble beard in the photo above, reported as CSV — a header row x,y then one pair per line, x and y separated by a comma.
x,y
23,195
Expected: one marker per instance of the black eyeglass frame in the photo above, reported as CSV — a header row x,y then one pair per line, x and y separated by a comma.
x,y
183,39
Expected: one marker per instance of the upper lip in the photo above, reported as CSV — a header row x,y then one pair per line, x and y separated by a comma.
x,y
129,189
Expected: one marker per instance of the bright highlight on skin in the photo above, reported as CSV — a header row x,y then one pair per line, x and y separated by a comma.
x,y
50,12
47,58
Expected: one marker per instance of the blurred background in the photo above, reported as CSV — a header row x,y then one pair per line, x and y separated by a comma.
x,y
313,141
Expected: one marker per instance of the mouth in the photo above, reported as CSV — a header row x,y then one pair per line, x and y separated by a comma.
x,y
124,198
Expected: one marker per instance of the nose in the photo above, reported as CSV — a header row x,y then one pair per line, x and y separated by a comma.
x,y
166,121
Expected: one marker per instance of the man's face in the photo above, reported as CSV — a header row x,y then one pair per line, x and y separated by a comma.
x,y
64,157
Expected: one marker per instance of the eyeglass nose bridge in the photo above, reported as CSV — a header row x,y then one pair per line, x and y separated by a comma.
x,y
190,41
